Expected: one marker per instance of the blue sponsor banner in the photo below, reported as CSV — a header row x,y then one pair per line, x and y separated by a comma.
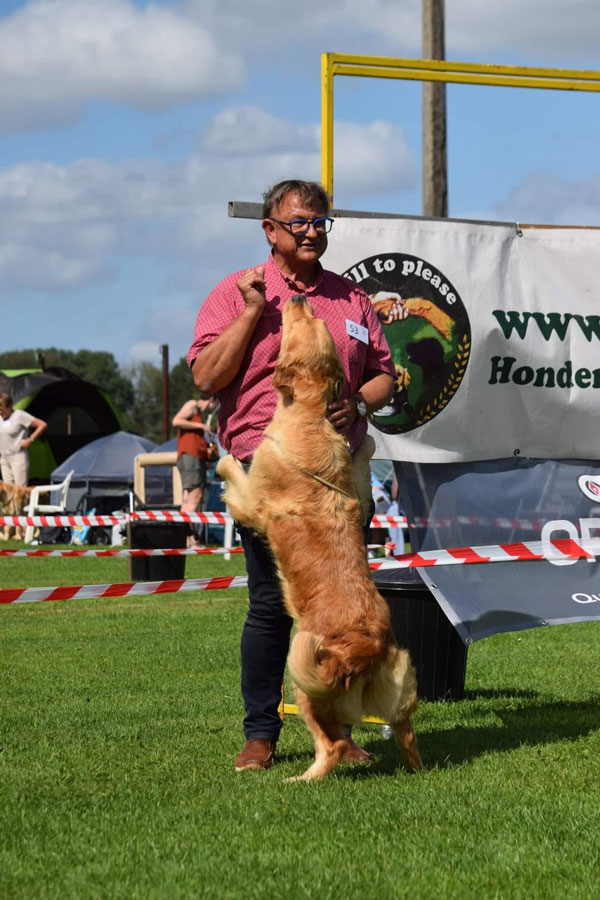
x,y
503,502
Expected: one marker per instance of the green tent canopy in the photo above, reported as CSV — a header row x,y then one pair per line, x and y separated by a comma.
x,y
76,411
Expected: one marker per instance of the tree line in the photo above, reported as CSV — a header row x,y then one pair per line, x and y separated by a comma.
x,y
136,389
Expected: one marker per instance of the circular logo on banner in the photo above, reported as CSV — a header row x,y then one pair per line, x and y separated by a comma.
x,y
427,328
590,486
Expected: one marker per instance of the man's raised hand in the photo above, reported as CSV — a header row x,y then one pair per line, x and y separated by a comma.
x,y
252,288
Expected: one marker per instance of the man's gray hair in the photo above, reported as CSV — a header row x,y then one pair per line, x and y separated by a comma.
x,y
310,192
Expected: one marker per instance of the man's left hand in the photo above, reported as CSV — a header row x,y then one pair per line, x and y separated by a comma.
x,y
341,414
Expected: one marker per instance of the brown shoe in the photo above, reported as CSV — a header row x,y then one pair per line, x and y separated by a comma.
x,y
355,755
257,753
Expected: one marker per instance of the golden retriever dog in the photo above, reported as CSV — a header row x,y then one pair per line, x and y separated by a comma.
x,y
300,494
13,501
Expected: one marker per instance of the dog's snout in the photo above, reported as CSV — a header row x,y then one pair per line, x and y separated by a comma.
x,y
297,308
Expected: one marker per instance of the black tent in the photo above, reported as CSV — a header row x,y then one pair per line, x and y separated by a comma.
x,y
76,411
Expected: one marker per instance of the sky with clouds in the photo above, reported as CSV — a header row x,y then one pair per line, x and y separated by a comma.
x,y
126,126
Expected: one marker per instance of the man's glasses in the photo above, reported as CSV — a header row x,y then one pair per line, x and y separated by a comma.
x,y
300,227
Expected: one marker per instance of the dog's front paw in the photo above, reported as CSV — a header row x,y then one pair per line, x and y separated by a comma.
x,y
304,778
226,465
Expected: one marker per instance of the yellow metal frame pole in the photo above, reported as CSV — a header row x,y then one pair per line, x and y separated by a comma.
x,y
333,64
291,709
327,123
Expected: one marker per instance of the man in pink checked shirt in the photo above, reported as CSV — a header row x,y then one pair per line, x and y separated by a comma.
x,y
233,354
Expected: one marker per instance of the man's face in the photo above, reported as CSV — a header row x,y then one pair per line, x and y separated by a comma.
x,y
295,249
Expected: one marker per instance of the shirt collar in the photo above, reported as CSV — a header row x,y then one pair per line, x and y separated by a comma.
x,y
271,264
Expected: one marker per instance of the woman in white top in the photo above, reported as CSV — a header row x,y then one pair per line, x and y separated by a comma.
x,y
15,440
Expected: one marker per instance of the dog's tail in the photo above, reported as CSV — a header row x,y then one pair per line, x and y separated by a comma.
x,y
305,663
315,670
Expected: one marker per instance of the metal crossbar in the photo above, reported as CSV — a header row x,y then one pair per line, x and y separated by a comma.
x,y
333,64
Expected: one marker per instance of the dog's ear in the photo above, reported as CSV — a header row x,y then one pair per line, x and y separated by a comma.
x,y
283,379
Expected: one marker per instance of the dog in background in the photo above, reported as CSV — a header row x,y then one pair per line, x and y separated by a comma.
x,y
14,499
301,494
393,308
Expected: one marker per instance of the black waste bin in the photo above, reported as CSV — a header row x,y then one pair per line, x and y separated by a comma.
x,y
151,536
419,624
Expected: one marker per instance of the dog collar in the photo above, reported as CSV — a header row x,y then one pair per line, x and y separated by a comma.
x,y
323,481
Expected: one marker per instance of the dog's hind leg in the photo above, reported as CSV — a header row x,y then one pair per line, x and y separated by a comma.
x,y
392,695
330,745
407,741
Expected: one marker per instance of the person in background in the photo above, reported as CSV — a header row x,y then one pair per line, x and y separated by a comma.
x,y
236,343
15,440
195,423
382,500
396,533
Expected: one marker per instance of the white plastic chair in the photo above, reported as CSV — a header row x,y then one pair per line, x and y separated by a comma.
x,y
57,508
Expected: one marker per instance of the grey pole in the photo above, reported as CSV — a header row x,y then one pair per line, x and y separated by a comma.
x,y
435,164
164,348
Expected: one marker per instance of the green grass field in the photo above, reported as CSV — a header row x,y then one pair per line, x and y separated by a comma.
x,y
120,719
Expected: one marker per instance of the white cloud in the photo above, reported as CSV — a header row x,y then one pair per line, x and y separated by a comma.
x,y
340,25
534,29
250,130
371,157
167,321
31,267
537,28
57,54
552,200
144,351
77,220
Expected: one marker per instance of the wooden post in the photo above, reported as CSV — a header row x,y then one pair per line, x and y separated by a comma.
x,y
165,392
435,163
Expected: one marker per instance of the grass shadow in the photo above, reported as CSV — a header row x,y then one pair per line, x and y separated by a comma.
x,y
291,756
499,694
530,725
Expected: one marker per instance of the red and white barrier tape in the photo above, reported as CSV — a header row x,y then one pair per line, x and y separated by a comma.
x,y
556,550
165,515
500,522
123,552
204,518
98,591
221,518
141,551
379,521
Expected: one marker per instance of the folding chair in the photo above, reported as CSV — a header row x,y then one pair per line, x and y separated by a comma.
x,y
60,492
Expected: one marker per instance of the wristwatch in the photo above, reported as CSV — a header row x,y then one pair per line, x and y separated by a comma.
x,y
361,406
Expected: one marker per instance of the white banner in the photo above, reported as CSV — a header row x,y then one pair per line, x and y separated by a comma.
x,y
494,330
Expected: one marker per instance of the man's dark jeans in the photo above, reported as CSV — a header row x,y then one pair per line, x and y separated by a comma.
x,y
265,639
